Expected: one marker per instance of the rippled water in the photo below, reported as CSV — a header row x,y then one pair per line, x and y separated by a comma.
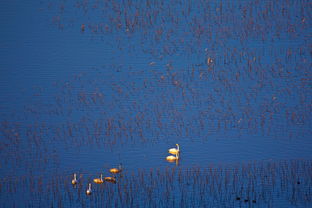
x,y
86,85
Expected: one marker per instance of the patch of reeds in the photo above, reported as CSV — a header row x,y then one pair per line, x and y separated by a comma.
x,y
269,183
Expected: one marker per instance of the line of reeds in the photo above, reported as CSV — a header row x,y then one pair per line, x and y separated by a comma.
x,y
269,184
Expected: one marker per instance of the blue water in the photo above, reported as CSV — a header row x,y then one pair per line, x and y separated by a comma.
x,y
86,85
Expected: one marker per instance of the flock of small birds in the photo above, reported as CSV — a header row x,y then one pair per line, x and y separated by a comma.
x,y
112,179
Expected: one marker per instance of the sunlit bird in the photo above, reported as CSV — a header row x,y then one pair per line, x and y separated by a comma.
x,y
116,170
110,179
89,191
174,151
172,158
74,181
98,180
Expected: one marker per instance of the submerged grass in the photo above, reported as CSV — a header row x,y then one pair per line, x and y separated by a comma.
x,y
270,184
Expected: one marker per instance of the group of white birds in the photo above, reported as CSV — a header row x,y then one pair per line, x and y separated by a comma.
x,y
101,179
171,158
174,151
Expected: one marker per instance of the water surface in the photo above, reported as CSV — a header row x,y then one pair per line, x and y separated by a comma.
x,y
86,85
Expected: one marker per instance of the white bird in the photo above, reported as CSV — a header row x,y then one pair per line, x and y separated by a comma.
x,y
98,180
74,181
174,151
116,170
110,179
89,191
172,158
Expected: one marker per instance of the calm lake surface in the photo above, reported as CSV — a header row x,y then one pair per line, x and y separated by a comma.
x,y
87,85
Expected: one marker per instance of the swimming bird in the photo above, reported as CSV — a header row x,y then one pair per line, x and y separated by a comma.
x,y
174,150
116,170
74,181
172,158
89,191
98,180
110,179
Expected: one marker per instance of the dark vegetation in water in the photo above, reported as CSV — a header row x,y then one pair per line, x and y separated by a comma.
x,y
182,70
269,184
226,68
